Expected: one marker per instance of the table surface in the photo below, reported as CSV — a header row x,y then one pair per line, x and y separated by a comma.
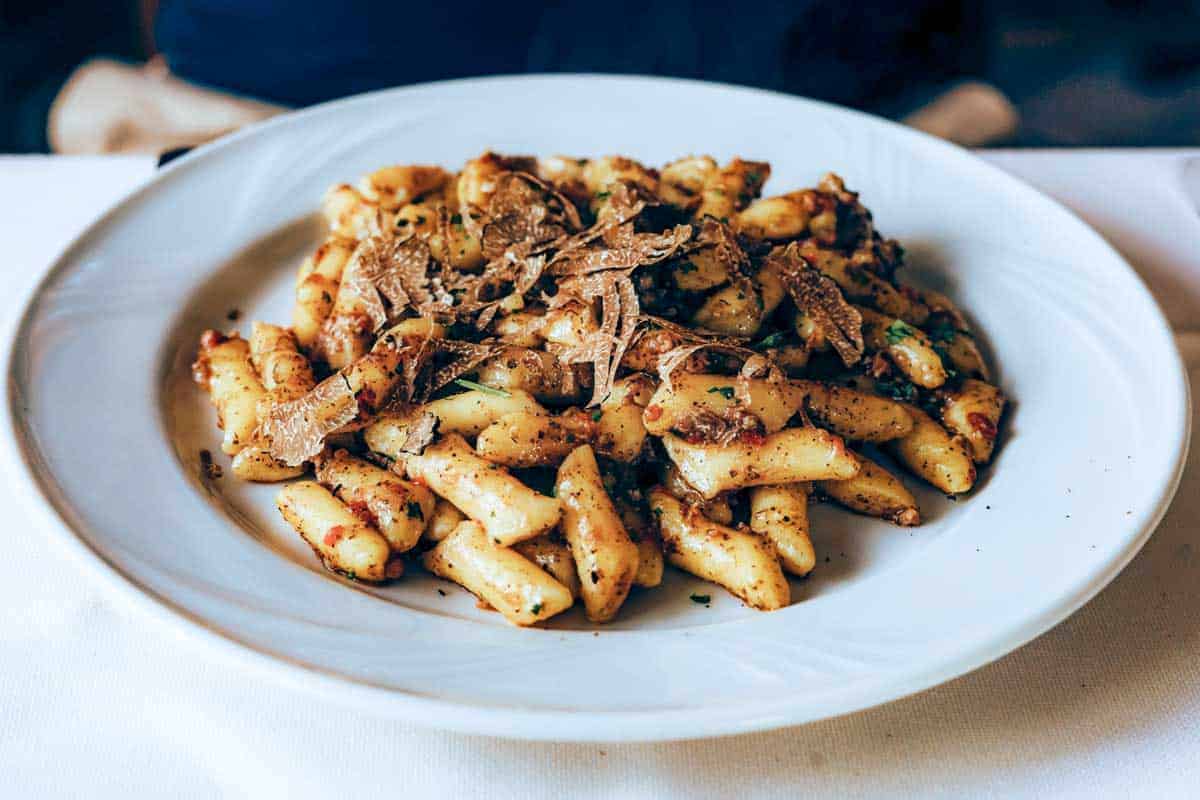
x,y
96,701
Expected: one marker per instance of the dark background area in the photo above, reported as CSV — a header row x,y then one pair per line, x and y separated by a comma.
x,y
1080,73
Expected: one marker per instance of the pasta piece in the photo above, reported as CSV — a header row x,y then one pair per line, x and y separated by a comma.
x,y
717,509
744,563
642,532
931,453
681,182
477,181
388,434
736,310
442,521
769,283
537,372
952,337
600,174
782,217
342,541
910,349
605,557
418,219
317,289
700,271
509,510
451,243
349,214
223,368
876,493
675,407
397,508
418,328
780,513
555,558
524,439
731,188
255,463
393,187
506,580
854,415
790,456
569,325
620,432
283,369
860,285
973,411
521,328
470,412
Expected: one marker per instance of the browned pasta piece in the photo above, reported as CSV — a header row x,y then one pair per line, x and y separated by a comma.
x,y
605,557
876,493
742,562
790,456
973,411
342,541
506,580
780,513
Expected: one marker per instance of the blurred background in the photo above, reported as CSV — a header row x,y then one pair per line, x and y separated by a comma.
x,y
84,76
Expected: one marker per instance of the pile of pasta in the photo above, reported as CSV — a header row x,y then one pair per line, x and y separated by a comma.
x,y
541,377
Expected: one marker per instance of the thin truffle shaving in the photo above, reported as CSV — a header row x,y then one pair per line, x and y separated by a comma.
x,y
820,298
296,430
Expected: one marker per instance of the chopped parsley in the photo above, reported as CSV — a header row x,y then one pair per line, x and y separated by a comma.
x,y
724,391
456,220
898,331
479,387
701,598
753,177
596,415
774,340
687,267
413,508
537,609
898,389
603,195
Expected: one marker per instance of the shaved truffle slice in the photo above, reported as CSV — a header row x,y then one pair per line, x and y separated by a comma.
x,y
297,429
820,298
637,249
525,211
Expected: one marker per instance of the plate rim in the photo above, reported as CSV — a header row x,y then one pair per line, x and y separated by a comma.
x,y
37,499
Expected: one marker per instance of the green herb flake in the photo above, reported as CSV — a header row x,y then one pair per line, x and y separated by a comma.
x,y
774,340
703,599
537,609
603,195
687,267
479,387
725,391
898,331
942,332
414,510
596,415
897,390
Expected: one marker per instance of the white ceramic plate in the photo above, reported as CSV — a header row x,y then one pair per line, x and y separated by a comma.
x,y
109,427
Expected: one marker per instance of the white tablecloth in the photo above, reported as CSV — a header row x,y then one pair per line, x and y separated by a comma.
x,y
97,702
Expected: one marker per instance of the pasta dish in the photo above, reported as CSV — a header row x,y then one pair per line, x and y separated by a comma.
x,y
544,379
